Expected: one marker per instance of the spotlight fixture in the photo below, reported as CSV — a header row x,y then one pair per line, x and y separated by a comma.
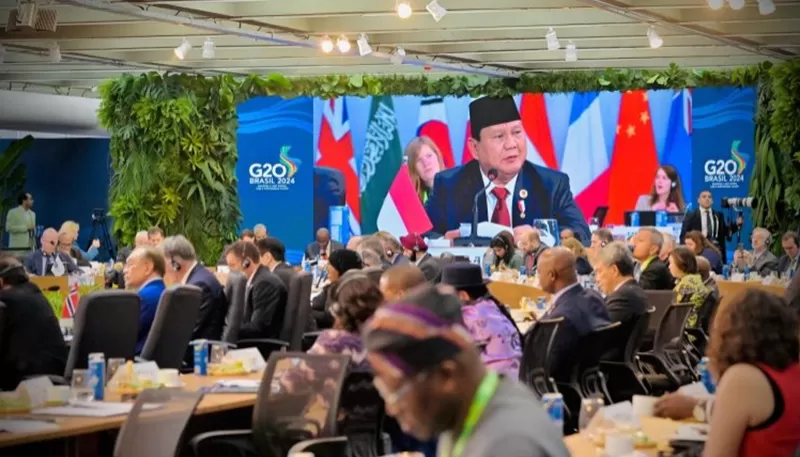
x,y
54,53
326,44
736,4
397,56
766,7
436,10
208,49
363,45
655,40
343,44
572,53
552,40
716,4
183,49
403,8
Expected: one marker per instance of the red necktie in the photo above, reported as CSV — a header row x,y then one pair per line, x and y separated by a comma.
x,y
500,214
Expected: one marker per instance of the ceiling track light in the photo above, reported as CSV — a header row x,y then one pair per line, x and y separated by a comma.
x,y
571,55
403,8
182,50
208,49
343,44
326,44
436,10
716,4
397,56
655,40
766,7
736,4
54,53
363,45
552,40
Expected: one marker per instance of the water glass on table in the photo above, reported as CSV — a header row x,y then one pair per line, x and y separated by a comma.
x,y
113,365
218,352
81,388
590,407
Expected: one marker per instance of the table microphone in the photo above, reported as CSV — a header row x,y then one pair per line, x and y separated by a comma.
x,y
492,175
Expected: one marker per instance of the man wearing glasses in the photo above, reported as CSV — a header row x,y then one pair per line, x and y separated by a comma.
x,y
430,375
48,261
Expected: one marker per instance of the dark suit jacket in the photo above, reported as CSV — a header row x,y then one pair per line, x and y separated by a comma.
x,y
284,271
313,249
583,312
549,197
626,303
401,260
264,306
656,277
793,294
124,252
32,341
531,259
213,307
694,221
784,264
431,268
34,263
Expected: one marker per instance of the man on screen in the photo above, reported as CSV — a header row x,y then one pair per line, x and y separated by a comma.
x,y
521,192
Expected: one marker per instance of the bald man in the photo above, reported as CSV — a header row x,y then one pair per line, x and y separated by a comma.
x,y
583,310
141,239
322,248
41,262
399,279
532,247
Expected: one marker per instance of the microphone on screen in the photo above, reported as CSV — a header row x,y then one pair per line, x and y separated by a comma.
x,y
492,175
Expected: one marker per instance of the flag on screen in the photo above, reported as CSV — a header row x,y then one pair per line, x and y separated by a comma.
x,y
466,156
678,145
585,158
402,211
433,124
634,161
382,159
71,302
336,151
533,111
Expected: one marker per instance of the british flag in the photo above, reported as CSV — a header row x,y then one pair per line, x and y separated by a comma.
x,y
335,150
71,302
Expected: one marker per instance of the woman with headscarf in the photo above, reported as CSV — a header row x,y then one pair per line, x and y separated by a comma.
x,y
339,263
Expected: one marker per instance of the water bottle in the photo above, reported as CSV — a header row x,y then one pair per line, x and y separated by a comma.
x,y
746,272
200,357
661,219
554,406
705,375
635,219
726,272
523,271
487,269
97,373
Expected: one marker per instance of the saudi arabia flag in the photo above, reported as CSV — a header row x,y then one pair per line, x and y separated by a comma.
x,y
383,157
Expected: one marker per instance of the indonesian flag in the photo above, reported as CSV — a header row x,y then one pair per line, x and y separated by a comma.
x,y
402,211
71,302
336,151
433,124
533,112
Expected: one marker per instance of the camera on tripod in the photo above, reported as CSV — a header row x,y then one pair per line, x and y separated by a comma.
x,y
98,214
100,231
738,202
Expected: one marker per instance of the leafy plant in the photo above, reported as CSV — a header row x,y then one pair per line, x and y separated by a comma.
x,y
12,175
56,300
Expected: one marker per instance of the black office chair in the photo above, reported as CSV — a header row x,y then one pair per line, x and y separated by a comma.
x,y
303,311
661,301
535,368
172,327
625,378
235,289
664,366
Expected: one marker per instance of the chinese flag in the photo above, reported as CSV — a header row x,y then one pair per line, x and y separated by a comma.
x,y
635,161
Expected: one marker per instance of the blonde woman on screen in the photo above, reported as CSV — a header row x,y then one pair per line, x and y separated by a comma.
x,y
667,193
424,161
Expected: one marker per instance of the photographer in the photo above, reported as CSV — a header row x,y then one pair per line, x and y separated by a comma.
x,y
760,261
710,223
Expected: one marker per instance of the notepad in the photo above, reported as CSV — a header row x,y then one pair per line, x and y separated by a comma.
x,y
234,386
26,426
92,409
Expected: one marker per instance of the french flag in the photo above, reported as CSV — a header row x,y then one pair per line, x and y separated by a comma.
x,y
433,124
585,159
402,211
678,145
533,111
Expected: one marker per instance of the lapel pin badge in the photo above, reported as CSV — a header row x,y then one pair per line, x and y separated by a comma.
x,y
523,193
521,207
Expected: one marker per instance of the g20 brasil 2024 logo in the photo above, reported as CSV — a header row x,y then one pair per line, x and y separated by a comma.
x,y
275,176
727,173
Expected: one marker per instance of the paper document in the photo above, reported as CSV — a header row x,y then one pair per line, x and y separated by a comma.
x,y
92,409
26,426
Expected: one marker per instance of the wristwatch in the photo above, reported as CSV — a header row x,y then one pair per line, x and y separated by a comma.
x,y
699,411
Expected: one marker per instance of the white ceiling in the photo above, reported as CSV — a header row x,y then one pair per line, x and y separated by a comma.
x,y
490,36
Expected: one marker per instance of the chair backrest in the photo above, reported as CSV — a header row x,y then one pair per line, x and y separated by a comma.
x,y
374,274
304,279
156,423
672,325
640,326
593,346
298,399
706,312
172,328
661,300
107,322
535,367
361,414
235,288
292,302
2,324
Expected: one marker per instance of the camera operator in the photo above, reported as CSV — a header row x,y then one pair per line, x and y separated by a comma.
x,y
710,223
761,260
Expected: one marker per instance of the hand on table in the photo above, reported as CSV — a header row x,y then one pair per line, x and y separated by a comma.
x,y
675,406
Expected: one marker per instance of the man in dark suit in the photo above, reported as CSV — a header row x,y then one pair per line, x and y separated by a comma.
x,y
265,295
415,248
141,239
323,246
788,263
583,310
710,223
625,298
652,273
520,193
32,340
183,268
42,261
273,257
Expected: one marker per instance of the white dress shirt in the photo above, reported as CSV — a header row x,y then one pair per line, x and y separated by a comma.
x,y
491,200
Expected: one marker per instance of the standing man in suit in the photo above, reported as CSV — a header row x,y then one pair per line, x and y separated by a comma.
x,y
183,268
323,246
625,298
521,192
21,224
583,310
415,248
41,262
711,223
265,293
144,273
273,257
652,273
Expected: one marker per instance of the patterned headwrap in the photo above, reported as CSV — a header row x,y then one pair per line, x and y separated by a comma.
x,y
419,332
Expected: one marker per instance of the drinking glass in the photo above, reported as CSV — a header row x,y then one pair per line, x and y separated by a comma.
x,y
218,352
589,409
113,366
81,389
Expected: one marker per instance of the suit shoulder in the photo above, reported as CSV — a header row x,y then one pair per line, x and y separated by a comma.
x,y
547,174
451,174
